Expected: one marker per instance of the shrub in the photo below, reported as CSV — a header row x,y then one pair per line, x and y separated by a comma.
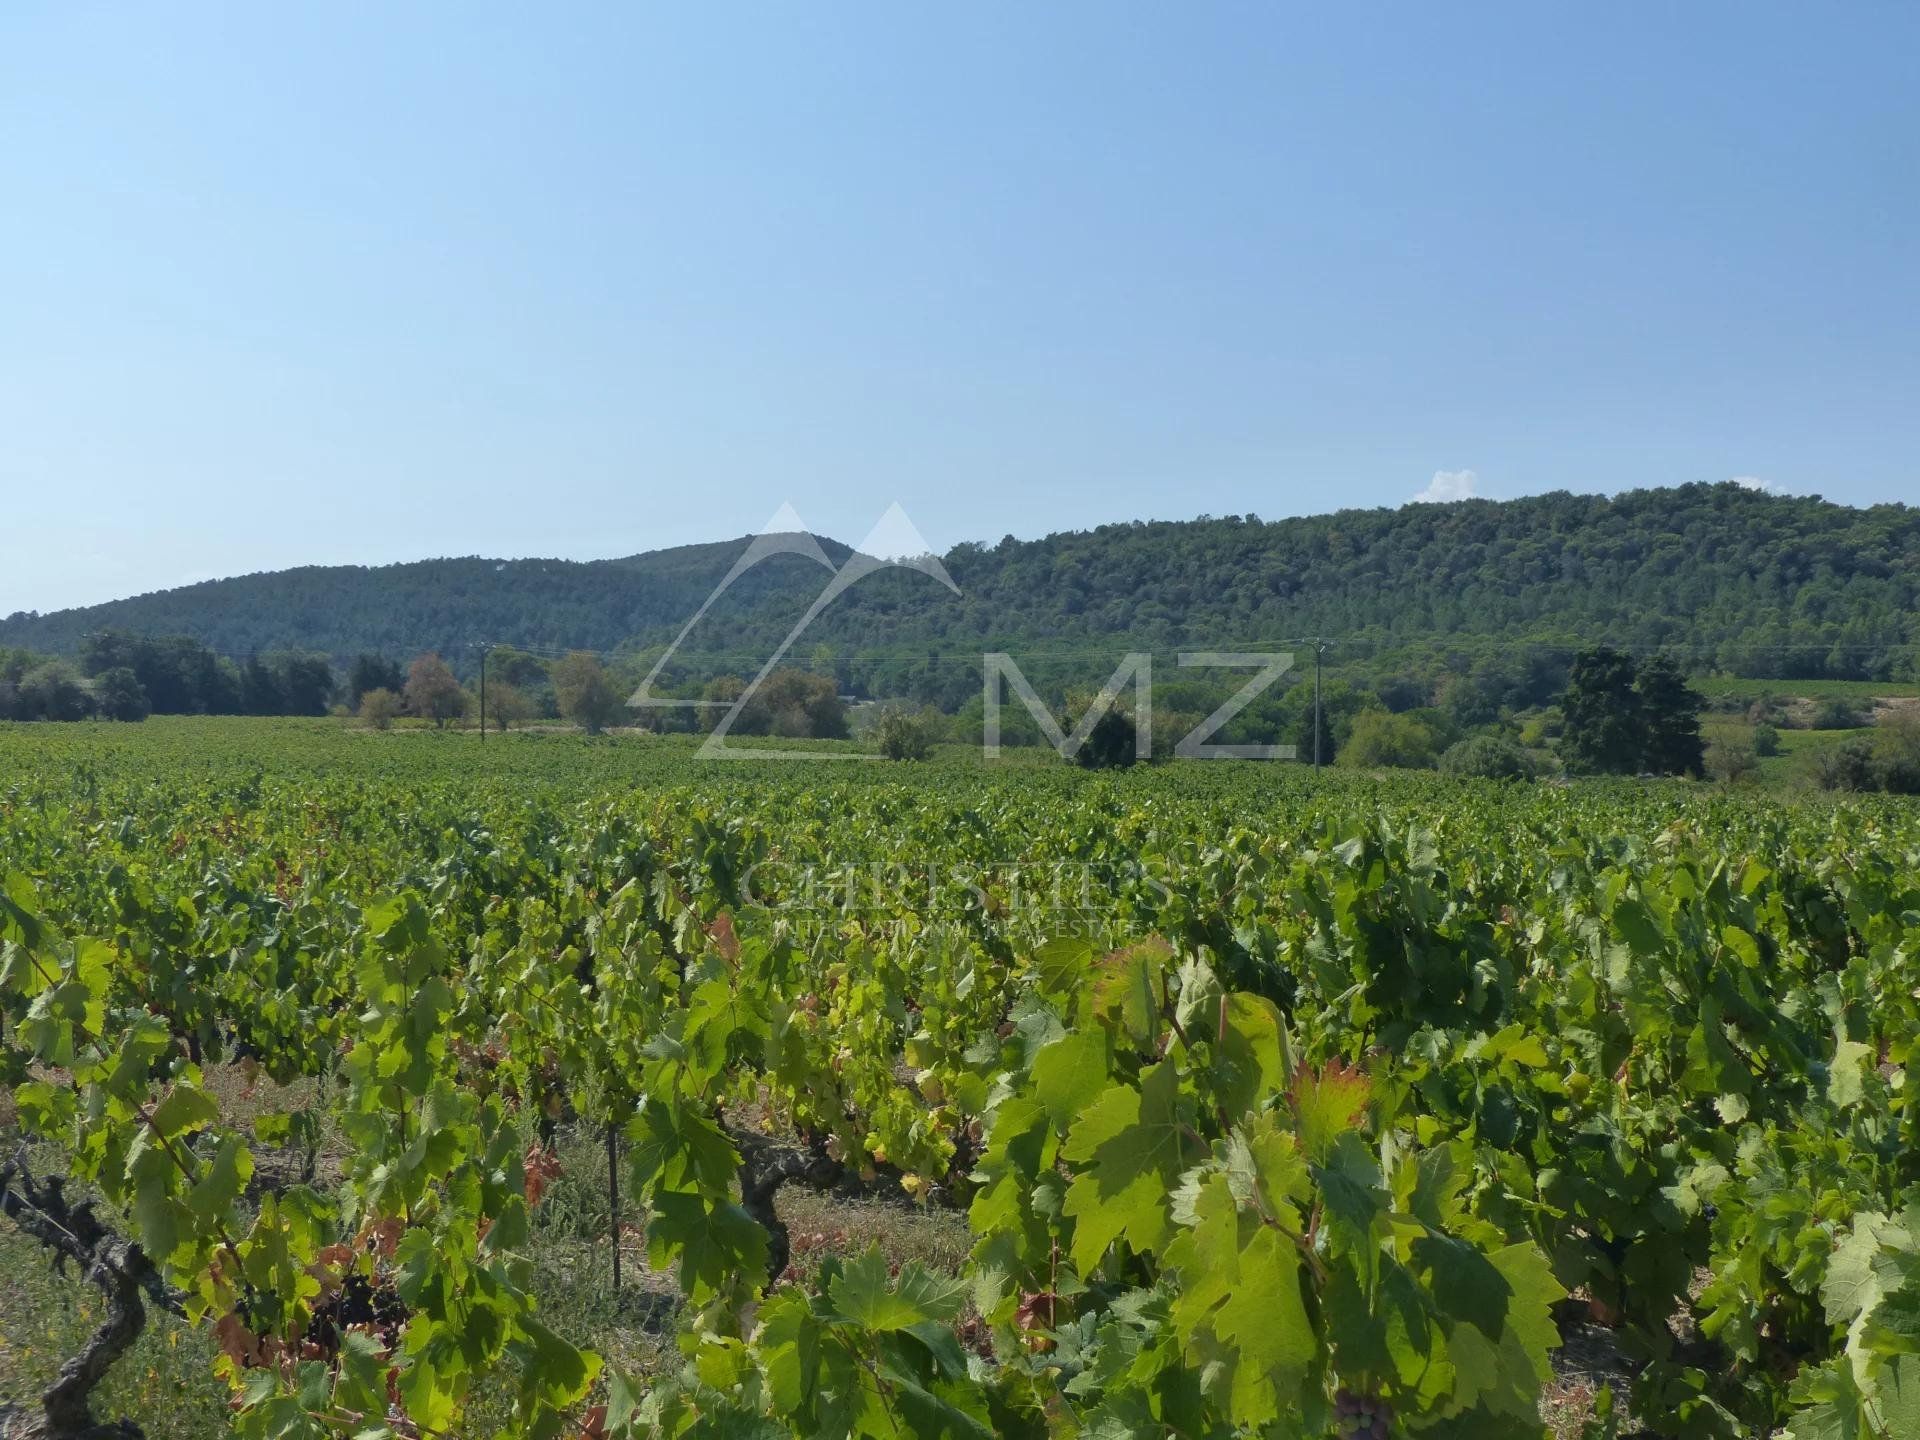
x,y
378,708
1766,740
1541,728
1889,760
1896,746
1400,693
1487,757
1847,766
1833,713
1731,761
1382,738
904,735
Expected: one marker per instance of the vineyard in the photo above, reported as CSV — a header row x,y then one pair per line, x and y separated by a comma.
x,y
1268,1104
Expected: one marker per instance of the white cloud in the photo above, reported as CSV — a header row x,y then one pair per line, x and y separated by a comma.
x,y
1449,485
1754,482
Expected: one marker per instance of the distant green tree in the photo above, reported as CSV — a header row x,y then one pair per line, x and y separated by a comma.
x,y
118,695
54,691
373,672
1400,693
1381,738
586,694
1766,740
180,675
1600,715
796,704
1670,717
508,706
259,691
432,692
1112,744
1487,757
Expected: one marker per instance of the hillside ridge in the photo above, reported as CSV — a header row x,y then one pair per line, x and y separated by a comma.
x,y
1746,582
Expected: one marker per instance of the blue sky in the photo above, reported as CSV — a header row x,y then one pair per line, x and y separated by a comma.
x,y
360,283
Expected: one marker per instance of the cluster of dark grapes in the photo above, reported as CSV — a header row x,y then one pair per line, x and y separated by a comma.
x,y
358,1303
1361,1417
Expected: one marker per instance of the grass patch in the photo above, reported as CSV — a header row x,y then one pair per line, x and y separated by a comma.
x,y
1861,690
165,1381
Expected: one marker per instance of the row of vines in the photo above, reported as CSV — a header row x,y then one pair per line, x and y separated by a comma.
x,y
1274,1107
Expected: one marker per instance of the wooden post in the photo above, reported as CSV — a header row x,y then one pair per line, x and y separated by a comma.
x,y
613,1196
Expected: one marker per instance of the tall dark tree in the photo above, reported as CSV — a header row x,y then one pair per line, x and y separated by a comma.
x,y
179,674
117,695
1670,714
1603,732
373,672
259,691
1111,744
305,682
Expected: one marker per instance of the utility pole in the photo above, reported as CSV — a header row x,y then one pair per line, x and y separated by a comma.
x,y
483,694
1319,648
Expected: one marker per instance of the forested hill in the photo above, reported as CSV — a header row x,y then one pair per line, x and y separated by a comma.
x,y
1747,582
445,605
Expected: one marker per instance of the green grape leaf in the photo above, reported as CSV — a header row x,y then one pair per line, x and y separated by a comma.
x,y
1465,1283
1062,963
1854,1284
863,1296
1714,1067
1255,1052
1132,1146
186,1108
712,1241
678,1147
1326,1105
788,1345
1832,1406
1846,1077
1069,1072
1240,1292
1130,988
552,1372
223,1181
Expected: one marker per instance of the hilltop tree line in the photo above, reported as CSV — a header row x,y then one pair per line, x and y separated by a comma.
x,y
1723,578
